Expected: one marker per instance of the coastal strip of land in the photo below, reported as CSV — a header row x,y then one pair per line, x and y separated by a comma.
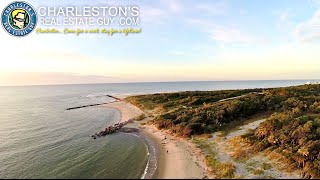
x,y
177,158
245,133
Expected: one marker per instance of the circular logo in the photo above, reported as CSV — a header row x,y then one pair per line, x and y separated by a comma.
x,y
19,19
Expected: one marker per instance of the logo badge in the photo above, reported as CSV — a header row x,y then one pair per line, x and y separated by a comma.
x,y
19,19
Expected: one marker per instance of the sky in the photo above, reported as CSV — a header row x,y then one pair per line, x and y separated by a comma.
x,y
181,40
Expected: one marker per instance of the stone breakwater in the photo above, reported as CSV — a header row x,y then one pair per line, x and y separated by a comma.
x,y
99,104
111,129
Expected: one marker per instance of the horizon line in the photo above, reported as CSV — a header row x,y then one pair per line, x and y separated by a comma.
x,y
137,82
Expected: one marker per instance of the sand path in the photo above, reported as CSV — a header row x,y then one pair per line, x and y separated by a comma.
x,y
255,166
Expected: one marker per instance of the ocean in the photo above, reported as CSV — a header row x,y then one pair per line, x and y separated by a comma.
x,y
40,139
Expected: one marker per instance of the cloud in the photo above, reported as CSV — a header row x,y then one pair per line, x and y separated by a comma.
x,y
174,6
178,53
309,30
223,33
45,78
158,13
151,14
229,35
215,8
284,17
169,9
315,3
32,59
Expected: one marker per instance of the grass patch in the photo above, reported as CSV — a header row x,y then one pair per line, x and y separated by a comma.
x,y
266,166
257,168
222,134
140,117
266,177
240,149
239,154
282,163
315,115
258,171
226,170
235,125
221,170
202,143
251,165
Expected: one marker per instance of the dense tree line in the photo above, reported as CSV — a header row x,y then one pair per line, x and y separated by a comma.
x,y
295,136
203,112
294,129
189,98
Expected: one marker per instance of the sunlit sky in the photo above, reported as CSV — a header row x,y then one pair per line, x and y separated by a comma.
x,y
181,40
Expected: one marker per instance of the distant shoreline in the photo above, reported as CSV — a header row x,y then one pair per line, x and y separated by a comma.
x,y
150,82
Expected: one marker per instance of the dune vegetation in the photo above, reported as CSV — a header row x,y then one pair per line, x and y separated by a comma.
x,y
293,131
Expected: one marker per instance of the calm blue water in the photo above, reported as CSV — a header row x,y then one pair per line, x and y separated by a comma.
x,y
39,139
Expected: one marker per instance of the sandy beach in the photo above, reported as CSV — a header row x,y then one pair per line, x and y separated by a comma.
x,y
127,110
177,158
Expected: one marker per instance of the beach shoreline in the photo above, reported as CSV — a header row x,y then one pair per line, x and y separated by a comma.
x,y
176,158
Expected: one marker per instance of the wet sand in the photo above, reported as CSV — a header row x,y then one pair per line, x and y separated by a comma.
x,y
177,158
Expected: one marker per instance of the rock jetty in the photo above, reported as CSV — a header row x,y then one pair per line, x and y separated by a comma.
x,y
111,129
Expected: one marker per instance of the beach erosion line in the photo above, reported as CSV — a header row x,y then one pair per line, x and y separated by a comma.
x,y
152,163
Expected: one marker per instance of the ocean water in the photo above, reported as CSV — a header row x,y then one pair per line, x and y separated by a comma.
x,y
40,139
